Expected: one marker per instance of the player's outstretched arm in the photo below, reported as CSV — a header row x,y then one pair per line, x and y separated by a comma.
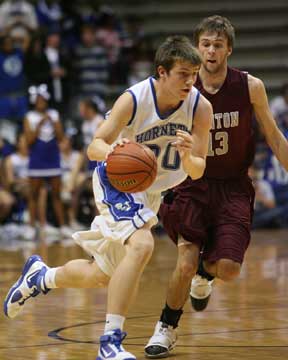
x,y
273,135
119,117
193,148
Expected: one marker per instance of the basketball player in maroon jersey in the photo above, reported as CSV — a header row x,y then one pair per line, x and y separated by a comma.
x,y
212,215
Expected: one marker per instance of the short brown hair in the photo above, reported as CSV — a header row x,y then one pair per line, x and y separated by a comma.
x,y
216,23
173,49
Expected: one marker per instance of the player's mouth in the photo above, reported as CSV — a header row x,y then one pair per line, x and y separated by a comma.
x,y
211,61
186,91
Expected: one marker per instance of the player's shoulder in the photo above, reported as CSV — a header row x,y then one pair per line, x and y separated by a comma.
x,y
203,103
254,82
204,111
141,84
256,87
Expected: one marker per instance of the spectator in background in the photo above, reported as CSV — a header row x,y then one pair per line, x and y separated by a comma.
x,y
6,199
35,58
17,13
21,38
43,131
49,13
90,65
16,169
141,62
279,107
264,199
89,110
17,183
13,99
72,178
108,35
59,70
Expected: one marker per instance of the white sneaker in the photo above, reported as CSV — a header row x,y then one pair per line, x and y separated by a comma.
x,y
28,232
66,232
200,292
111,347
51,230
30,284
162,341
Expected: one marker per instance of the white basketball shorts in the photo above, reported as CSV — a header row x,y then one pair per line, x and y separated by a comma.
x,y
121,214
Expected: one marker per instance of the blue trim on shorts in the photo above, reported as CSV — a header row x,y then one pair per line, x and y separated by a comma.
x,y
122,206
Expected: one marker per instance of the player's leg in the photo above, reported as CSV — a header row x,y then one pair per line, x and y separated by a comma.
x,y
126,277
121,291
183,213
228,239
164,337
37,278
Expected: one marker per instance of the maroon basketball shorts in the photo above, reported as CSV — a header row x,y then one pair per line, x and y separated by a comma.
x,y
213,214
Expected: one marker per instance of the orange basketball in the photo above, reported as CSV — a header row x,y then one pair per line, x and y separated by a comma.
x,y
131,167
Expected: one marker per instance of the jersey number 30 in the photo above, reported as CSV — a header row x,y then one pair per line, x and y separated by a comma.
x,y
171,157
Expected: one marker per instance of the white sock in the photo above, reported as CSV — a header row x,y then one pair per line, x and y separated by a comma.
x,y
49,278
114,322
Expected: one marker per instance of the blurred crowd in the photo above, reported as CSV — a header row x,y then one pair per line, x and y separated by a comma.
x,y
57,62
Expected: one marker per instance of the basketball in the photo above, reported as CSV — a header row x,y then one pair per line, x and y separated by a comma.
x,y
131,167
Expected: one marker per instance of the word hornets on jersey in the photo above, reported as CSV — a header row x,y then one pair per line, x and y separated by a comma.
x,y
158,131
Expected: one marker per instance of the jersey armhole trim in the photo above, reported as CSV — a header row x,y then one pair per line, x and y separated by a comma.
x,y
134,107
196,103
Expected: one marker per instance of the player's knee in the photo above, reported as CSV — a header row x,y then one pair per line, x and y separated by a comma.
x,y
187,269
228,270
143,248
95,278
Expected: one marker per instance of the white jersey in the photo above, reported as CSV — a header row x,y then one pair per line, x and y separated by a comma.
x,y
46,132
149,127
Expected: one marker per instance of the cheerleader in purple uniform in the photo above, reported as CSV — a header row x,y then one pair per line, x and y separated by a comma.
x,y
43,131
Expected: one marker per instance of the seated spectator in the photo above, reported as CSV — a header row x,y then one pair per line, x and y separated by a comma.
x,y
6,204
72,179
279,108
92,118
17,183
6,199
16,169
272,191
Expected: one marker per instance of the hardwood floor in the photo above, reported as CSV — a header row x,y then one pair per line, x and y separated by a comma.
x,y
246,319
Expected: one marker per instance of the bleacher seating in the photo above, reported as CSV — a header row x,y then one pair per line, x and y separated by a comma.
x,y
261,30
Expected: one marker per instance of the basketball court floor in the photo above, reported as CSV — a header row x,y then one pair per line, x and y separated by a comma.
x,y
246,319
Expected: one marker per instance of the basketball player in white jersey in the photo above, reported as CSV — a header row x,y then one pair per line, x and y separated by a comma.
x,y
168,114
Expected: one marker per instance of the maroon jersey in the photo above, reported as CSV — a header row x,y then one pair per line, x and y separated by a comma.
x,y
231,146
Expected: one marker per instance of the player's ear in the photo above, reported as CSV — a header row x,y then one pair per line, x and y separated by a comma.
x,y
161,71
230,50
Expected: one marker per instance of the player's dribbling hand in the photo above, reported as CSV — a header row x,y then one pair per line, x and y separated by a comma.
x,y
120,142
